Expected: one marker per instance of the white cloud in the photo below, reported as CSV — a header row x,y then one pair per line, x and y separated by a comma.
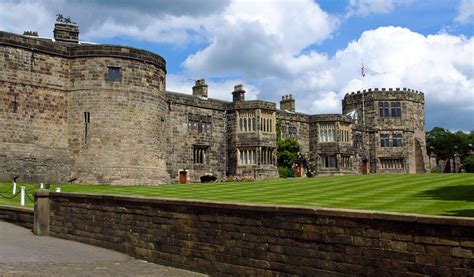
x,y
367,7
217,89
254,38
465,12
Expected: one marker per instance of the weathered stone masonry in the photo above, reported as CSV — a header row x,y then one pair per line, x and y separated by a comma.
x,y
231,239
101,114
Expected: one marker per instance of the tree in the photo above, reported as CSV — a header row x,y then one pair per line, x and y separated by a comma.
x,y
287,155
444,142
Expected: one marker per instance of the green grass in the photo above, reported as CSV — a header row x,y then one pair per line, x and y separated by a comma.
x,y
433,194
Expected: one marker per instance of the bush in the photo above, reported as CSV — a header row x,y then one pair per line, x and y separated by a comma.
x,y
468,164
208,178
286,172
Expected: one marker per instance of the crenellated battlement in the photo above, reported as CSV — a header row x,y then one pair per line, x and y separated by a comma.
x,y
374,94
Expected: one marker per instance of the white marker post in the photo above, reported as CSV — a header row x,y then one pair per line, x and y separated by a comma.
x,y
14,188
58,189
41,186
22,196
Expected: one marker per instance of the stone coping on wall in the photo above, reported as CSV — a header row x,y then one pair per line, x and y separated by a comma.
x,y
80,50
286,209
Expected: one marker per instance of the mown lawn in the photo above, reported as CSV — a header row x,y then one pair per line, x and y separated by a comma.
x,y
434,194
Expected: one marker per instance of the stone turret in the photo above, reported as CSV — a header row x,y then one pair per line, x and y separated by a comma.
x,y
200,88
287,103
238,95
65,30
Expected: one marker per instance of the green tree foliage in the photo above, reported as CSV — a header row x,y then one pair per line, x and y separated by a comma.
x,y
443,143
468,164
287,155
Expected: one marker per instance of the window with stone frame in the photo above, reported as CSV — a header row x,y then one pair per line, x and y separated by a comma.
x,y
200,154
247,122
114,74
14,105
397,140
384,140
201,124
392,163
266,156
346,162
396,110
384,110
329,161
247,156
327,132
266,122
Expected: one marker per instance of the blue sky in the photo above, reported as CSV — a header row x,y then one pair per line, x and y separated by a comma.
x,y
311,49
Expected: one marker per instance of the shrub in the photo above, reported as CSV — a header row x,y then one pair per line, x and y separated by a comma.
x,y
286,172
468,164
208,178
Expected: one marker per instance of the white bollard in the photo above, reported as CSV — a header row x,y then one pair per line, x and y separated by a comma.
x,y
41,186
58,189
14,188
22,196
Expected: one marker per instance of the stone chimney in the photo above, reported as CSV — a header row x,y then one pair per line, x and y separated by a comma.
x,y
287,103
30,33
65,30
200,88
238,95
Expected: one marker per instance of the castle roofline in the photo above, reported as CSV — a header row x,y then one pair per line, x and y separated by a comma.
x,y
85,49
377,90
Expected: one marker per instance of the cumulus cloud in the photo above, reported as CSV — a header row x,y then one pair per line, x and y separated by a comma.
x,y
465,12
254,38
179,21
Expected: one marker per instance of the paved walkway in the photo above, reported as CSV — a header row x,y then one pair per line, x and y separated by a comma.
x,y
24,254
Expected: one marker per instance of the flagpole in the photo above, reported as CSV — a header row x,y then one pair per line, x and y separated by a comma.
x,y
362,72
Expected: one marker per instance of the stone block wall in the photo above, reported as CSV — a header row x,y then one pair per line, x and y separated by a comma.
x,y
231,239
20,216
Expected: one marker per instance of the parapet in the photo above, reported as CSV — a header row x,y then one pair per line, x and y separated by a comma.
x,y
372,94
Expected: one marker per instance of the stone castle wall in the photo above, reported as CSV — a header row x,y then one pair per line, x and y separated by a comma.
x,y
54,84
231,239
63,118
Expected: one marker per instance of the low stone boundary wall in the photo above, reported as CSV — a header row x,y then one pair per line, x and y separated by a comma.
x,y
18,216
231,239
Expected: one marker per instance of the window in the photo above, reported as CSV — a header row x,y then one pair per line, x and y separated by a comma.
x,y
200,154
390,163
266,155
384,140
327,132
383,109
397,140
329,161
113,74
87,120
346,162
247,122
396,109
199,123
247,156
15,105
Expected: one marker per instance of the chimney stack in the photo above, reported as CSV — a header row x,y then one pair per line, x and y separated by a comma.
x,y
238,95
200,88
287,103
65,30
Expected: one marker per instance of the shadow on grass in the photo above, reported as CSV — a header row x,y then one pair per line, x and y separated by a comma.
x,y
464,213
453,193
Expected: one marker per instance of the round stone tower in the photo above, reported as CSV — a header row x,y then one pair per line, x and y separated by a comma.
x,y
388,129
117,115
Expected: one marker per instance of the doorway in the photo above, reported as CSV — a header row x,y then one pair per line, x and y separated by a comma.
x,y
183,177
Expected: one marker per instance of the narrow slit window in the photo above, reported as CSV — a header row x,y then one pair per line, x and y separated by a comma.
x,y
87,120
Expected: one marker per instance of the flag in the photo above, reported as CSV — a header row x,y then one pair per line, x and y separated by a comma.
x,y
362,70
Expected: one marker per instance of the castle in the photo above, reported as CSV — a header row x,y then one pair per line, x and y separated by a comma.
x,y
101,114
